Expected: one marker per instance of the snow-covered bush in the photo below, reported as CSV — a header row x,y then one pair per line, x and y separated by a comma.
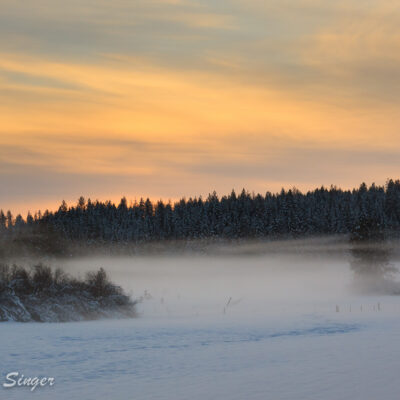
x,y
47,295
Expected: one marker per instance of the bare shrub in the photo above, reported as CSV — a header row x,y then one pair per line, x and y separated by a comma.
x,y
20,279
42,276
100,285
44,294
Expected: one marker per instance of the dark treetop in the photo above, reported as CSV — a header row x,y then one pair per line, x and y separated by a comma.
x,y
289,213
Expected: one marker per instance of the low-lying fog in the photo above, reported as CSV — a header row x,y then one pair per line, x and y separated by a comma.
x,y
251,279
297,320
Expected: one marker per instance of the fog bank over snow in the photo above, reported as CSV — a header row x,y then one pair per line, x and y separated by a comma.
x,y
235,325
249,278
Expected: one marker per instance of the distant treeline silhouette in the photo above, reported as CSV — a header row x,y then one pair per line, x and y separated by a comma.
x,y
288,213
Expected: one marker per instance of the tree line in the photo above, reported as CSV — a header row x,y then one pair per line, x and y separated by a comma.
x,y
289,213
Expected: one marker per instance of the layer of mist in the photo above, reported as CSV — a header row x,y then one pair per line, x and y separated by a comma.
x,y
251,278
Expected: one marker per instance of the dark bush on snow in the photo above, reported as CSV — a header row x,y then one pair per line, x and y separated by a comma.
x,y
100,285
42,277
44,294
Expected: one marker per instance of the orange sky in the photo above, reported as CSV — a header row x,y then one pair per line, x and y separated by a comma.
x,y
170,98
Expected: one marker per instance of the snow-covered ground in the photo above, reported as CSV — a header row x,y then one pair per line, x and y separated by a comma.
x,y
249,327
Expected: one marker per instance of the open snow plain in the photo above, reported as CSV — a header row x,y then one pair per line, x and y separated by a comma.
x,y
223,327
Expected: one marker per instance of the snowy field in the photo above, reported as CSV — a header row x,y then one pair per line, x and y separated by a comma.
x,y
248,327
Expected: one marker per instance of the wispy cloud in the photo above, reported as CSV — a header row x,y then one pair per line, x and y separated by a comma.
x,y
186,96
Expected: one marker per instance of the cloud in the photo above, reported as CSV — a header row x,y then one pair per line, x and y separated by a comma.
x,y
336,52
81,30
179,97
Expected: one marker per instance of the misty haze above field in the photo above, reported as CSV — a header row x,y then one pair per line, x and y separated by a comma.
x,y
252,278
233,326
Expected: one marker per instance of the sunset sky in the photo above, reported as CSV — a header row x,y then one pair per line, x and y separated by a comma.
x,y
171,98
